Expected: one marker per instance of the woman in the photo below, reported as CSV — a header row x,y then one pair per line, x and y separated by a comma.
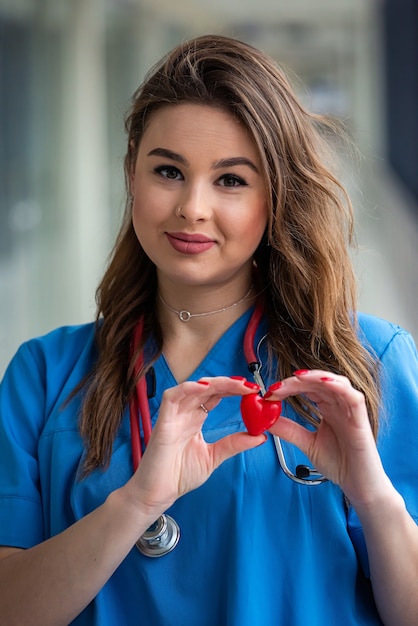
x,y
231,209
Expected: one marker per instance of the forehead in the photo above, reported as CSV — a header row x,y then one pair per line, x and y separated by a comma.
x,y
196,125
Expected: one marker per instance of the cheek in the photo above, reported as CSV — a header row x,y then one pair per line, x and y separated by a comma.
x,y
145,233
252,226
137,218
146,198
146,210
143,220
259,223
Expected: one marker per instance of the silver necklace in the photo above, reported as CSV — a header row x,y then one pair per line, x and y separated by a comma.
x,y
185,316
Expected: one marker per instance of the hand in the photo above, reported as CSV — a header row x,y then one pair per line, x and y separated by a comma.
x,y
343,447
177,459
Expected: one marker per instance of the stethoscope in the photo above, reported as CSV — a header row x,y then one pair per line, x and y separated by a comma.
x,y
164,534
304,475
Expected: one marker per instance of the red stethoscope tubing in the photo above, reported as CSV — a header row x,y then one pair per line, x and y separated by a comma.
x,y
139,407
249,337
139,413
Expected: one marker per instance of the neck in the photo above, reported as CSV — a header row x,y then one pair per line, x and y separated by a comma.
x,y
185,315
190,331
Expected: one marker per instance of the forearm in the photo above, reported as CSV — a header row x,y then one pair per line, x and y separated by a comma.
x,y
53,582
392,544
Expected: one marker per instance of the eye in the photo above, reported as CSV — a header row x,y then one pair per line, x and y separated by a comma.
x,y
169,171
232,180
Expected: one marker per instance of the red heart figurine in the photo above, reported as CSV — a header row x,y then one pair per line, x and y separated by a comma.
x,y
259,414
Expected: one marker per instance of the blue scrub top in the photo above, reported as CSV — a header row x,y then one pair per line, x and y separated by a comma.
x,y
255,547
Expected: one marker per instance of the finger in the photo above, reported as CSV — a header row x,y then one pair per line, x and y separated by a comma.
x,y
214,389
229,385
339,403
312,384
354,402
231,445
191,397
294,433
335,396
218,387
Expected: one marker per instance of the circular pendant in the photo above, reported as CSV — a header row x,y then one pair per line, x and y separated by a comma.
x,y
184,315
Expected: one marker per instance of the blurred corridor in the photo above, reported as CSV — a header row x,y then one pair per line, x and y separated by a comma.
x,y
67,70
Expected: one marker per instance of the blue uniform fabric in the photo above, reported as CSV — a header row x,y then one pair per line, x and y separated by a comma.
x,y
255,547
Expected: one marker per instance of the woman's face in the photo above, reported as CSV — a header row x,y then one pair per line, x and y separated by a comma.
x,y
199,208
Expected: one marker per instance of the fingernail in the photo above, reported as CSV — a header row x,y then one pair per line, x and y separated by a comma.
x,y
251,385
202,382
238,378
275,386
301,372
327,379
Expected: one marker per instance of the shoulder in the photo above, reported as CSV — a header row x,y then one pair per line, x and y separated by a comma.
x,y
63,342
60,349
379,335
50,366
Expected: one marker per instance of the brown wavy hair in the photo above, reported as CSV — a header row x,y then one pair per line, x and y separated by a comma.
x,y
305,271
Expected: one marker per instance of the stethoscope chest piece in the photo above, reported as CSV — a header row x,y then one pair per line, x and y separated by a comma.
x,y
160,538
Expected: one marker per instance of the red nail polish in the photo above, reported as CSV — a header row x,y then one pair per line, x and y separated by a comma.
x,y
275,386
301,372
251,385
327,379
238,378
272,388
202,382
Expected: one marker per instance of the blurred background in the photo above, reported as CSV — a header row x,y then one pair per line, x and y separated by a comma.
x,y
67,71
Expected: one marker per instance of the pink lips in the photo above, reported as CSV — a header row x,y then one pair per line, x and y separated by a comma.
x,y
190,244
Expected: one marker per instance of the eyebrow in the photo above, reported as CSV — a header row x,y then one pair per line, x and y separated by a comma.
x,y
222,163
235,161
168,154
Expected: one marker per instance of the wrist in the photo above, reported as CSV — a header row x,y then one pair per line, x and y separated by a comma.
x,y
384,506
136,515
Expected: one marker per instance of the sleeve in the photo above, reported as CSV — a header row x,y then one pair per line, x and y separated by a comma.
x,y
22,411
398,432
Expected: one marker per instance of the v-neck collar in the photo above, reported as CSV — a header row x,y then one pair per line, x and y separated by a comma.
x,y
230,341
225,358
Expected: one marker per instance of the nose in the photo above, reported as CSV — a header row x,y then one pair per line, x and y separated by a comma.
x,y
194,204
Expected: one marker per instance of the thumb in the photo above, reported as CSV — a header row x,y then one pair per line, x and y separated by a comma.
x,y
231,445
